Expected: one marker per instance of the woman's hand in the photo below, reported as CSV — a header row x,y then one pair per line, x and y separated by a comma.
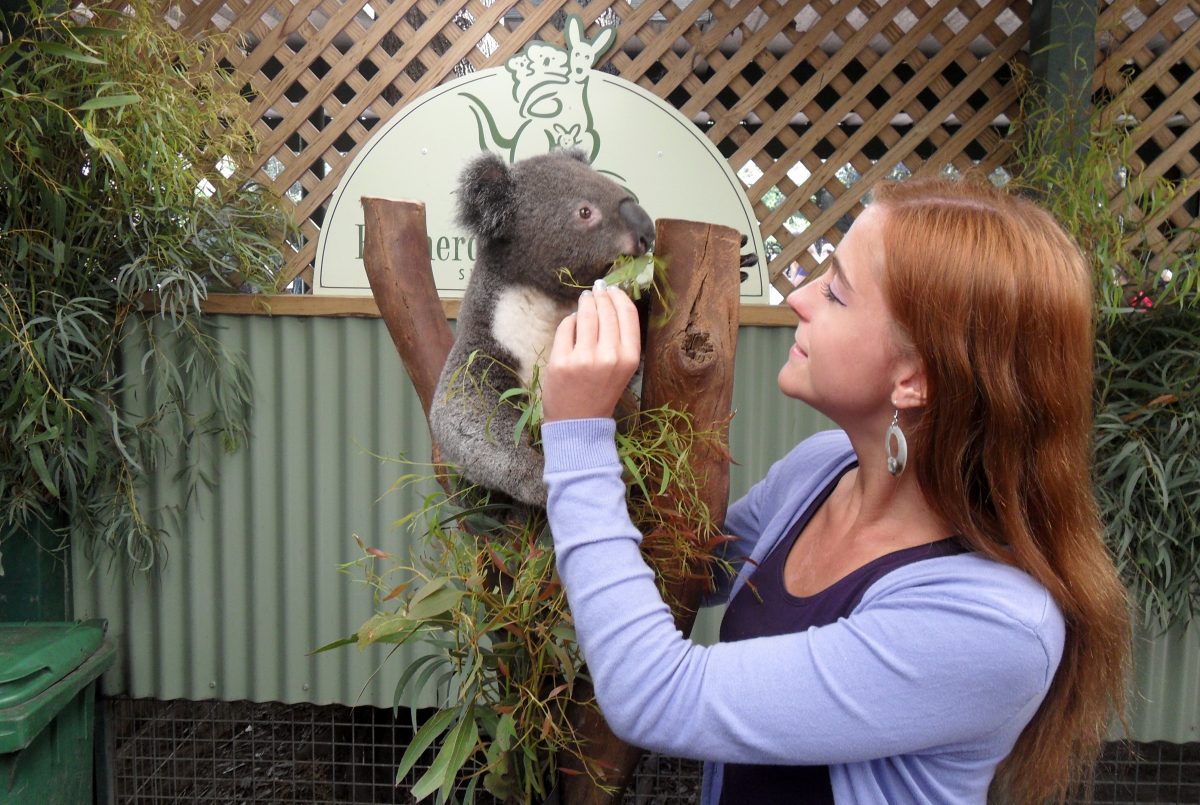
x,y
596,351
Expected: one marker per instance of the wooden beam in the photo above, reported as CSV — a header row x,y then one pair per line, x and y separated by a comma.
x,y
367,307
1062,60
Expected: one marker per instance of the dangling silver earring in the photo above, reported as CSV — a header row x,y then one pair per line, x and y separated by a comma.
x,y
896,460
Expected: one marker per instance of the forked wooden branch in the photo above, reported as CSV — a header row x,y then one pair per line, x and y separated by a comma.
x,y
688,365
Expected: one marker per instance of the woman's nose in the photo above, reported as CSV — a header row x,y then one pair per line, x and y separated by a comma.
x,y
795,300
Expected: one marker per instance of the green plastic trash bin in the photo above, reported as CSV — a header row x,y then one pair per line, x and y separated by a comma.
x,y
48,674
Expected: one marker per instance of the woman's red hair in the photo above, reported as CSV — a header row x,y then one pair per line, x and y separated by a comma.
x,y
997,301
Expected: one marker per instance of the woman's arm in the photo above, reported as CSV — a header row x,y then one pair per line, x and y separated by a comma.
x,y
923,664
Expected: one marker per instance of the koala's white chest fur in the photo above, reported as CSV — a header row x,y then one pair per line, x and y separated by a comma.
x,y
523,322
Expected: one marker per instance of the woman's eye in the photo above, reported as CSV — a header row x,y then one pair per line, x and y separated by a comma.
x,y
828,293
585,213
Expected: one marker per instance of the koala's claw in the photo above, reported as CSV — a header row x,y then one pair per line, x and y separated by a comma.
x,y
748,260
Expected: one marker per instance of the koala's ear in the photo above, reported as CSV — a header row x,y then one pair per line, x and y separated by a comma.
x,y
485,197
576,153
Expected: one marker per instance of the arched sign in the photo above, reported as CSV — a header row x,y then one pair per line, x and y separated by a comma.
x,y
546,97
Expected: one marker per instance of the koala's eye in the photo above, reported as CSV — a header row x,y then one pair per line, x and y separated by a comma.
x,y
585,213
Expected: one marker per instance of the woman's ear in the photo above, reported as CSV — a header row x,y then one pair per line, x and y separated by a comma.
x,y
910,388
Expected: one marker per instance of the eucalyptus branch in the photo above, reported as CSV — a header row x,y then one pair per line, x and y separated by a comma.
x,y
108,135
18,330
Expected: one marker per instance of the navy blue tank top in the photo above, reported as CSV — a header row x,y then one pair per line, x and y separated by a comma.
x,y
764,607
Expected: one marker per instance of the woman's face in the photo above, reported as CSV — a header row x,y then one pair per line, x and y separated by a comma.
x,y
846,356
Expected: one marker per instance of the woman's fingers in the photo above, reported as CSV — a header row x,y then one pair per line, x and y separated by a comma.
x,y
630,328
608,333
587,326
620,338
564,339
594,354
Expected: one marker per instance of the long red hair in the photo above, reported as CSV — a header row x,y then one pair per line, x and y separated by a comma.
x,y
997,301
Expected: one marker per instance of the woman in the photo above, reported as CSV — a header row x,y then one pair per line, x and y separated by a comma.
x,y
939,620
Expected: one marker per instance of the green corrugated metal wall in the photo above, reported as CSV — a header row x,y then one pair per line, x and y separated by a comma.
x,y
252,582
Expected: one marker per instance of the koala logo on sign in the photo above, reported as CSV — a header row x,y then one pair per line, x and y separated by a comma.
x,y
550,90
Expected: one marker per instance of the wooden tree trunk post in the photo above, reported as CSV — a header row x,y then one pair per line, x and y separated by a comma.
x,y
396,259
689,359
689,365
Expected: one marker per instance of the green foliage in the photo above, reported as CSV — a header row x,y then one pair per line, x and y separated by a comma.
x,y
484,596
1148,457
638,275
1147,434
680,540
645,274
123,158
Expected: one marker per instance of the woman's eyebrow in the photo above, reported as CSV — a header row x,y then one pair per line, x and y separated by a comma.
x,y
841,274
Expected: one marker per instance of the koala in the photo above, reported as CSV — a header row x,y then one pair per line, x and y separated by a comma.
x,y
531,220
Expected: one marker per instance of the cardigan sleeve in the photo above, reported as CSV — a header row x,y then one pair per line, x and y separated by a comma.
x,y
937,654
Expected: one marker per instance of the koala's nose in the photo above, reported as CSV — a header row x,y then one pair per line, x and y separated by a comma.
x,y
641,224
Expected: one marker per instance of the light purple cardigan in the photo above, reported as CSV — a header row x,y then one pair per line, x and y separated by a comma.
x,y
914,698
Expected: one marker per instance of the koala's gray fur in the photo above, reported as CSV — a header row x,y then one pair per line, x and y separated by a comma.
x,y
530,219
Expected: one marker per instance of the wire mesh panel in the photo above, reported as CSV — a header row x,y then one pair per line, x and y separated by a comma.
x,y
244,752
184,751
663,780
1149,772
234,752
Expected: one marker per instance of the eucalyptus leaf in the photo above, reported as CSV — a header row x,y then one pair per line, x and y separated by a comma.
x,y
109,102
459,744
345,641
38,459
469,794
411,671
430,731
384,626
429,588
66,52
420,681
435,604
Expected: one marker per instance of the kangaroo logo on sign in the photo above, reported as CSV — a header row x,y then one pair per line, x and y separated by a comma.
x,y
550,89
544,98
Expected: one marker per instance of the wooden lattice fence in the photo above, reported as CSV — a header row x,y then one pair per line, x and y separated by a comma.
x,y
810,100
1148,66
